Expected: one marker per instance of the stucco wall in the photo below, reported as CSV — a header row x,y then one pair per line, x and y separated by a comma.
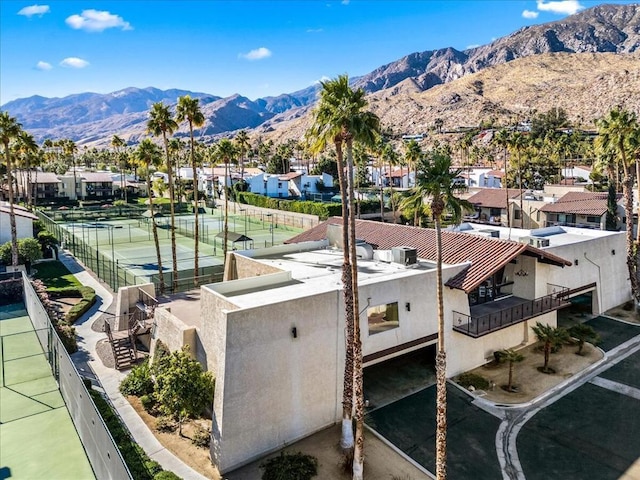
x,y
244,267
596,263
277,388
173,333
24,227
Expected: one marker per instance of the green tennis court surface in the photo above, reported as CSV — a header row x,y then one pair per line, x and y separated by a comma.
x,y
37,437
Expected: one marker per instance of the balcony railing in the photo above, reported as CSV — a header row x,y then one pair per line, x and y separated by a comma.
x,y
504,313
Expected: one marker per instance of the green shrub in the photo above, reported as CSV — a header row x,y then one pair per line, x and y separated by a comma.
x,y
88,300
166,475
148,403
153,467
499,355
289,466
67,336
472,379
139,381
201,437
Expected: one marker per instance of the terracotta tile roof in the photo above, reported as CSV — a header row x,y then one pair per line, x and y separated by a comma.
x,y
487,255
583,203
495,173
290,176
493,197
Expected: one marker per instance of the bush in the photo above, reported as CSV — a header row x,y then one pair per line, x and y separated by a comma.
x,y
499,355
289,466
80,308
201,437
67,336
472,379
166,475
138,382
148,403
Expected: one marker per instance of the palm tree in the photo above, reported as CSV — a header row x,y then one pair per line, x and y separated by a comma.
x,y
340,119
615,132
502,139
437,180
161,123
412,153
146,155
226,152
118,143
392,157
28,150
517,142
552,338
189,109
9,131
584,333
511,356
243,146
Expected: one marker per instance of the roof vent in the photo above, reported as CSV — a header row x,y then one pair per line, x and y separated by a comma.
x,y
405,255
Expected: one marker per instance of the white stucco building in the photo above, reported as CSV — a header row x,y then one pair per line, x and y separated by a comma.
x,y
24,222
272,332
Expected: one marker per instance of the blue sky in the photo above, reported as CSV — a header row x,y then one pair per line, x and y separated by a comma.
x,y
55,48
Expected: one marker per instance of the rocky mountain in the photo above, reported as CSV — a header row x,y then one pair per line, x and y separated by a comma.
x,y
92,119
585,85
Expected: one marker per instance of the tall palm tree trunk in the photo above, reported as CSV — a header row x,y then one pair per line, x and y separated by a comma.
x,y
225,236
172,209
506,189
358,381
441,365
381,197
12,214
154,229
196,228
346,440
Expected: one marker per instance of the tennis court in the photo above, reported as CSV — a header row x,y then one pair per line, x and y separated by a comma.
x,y
37,437
122,252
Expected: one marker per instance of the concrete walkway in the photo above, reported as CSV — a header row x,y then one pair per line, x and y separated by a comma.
x,y
89,365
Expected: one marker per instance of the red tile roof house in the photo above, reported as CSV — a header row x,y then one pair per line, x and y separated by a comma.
x,y
582,209
273,331
491,206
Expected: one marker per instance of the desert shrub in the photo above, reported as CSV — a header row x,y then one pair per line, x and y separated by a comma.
x,y
469,379
166,424
289,466
201,437
138,382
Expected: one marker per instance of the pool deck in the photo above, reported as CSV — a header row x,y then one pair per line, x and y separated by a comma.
x,y
37,437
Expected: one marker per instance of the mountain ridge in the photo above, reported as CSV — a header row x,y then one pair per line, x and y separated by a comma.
x,y
92,119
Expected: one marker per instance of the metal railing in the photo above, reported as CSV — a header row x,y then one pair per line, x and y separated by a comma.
x,y
479,325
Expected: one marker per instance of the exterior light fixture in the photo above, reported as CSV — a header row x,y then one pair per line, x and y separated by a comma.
x,y
294,332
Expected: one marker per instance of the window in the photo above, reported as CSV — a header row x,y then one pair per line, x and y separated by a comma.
x,y
516,214
495,212
593,219
279,184
382,318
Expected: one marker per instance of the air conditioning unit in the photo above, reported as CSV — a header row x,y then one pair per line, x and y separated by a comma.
x,y
538,242
405,255
491,233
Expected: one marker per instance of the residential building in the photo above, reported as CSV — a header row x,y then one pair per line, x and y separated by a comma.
x,y
491,205
290,185
24,222
272,332
582,209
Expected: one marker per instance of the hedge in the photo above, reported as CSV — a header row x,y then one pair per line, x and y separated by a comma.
x,y
89,296
322,210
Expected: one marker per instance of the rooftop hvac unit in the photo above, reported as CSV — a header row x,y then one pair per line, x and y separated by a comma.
x,y
405,255
491,233
537,242
364,251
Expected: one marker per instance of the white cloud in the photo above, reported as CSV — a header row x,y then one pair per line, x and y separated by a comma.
x,y
97,21
256,54
34,10
475,45
43,65
74,62
562,7
530,14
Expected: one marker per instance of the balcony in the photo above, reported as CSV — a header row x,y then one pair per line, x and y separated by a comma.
x,y
490,317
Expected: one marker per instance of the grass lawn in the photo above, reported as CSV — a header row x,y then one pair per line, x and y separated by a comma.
x,y
55,275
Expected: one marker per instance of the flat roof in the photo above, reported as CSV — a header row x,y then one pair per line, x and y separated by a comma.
x,y
306,273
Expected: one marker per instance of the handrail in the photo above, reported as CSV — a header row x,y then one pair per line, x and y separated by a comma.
x,y
478,326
